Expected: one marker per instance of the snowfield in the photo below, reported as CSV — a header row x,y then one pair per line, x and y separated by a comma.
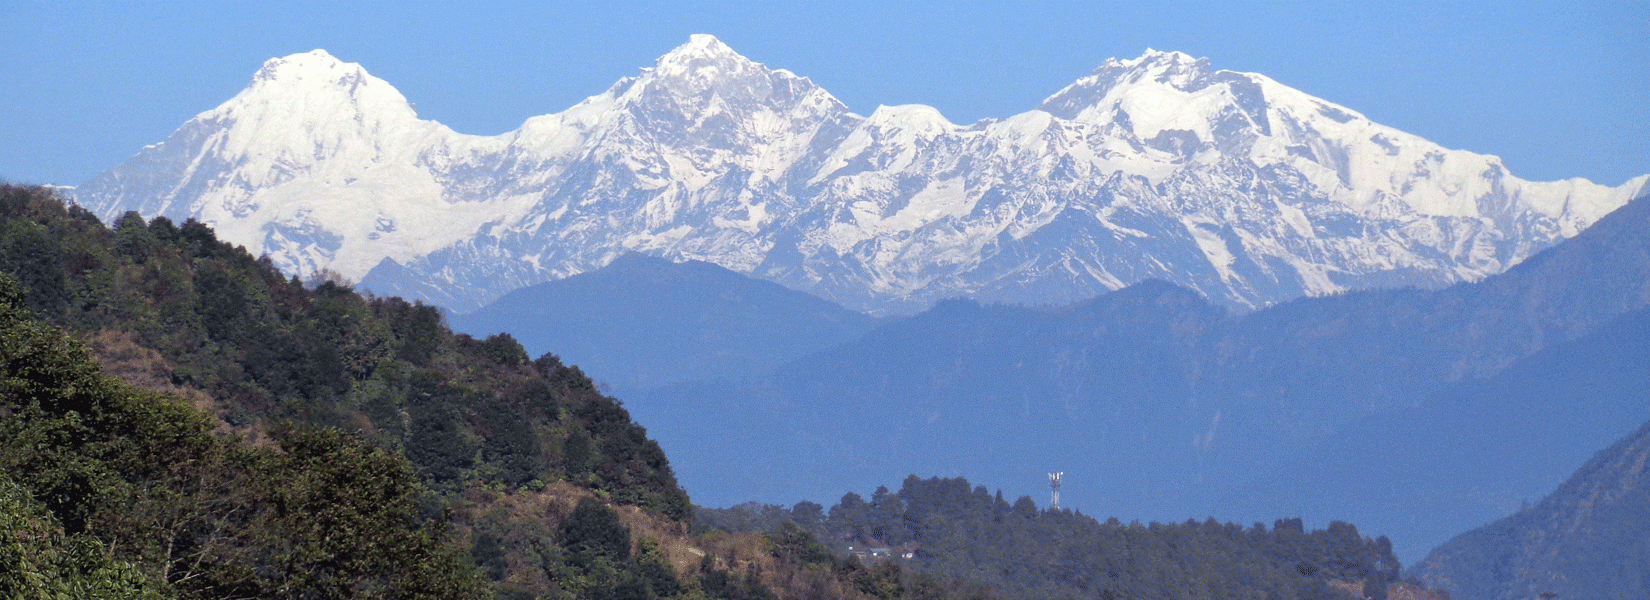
x,y
1155,167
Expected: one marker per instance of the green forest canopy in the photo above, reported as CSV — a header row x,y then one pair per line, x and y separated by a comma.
x,y
309,441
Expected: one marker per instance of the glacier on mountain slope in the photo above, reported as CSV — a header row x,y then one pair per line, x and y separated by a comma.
x,y
1156,167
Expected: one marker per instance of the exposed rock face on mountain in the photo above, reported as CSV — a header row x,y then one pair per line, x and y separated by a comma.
x,y
1157,167
1585,541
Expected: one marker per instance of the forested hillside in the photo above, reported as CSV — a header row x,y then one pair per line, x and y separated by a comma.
x,y
305,441
111,491
1588,540
174,305
953,530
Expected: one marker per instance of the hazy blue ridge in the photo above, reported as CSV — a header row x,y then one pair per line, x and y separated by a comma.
x,y
1475,451
1585,541
644,322
1160,405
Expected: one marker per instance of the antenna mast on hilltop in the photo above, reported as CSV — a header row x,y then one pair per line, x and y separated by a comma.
x,y
1054,482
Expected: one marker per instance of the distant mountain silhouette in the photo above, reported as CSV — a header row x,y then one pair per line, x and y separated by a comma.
x,y
646,322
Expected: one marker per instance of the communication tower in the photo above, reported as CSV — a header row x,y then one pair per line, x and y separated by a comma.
x,y
1054,482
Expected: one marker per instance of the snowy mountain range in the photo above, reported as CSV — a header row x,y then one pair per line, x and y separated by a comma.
x,y
1156,167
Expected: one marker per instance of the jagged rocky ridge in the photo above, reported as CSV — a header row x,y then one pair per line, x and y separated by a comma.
x,y
1157,167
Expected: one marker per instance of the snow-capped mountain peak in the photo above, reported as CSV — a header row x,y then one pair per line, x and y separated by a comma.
x,y
702,57
1175,68
1159,166
705,74
1161,91
317,65
309,109
309,163
319,92
919,121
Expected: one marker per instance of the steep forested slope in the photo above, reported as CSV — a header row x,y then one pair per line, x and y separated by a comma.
x,y
1588,540
174,304
304,441
112,491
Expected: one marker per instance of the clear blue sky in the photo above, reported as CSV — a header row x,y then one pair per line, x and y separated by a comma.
x,y
1557,89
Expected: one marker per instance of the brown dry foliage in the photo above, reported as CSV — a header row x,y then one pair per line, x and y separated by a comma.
x,y
120,355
